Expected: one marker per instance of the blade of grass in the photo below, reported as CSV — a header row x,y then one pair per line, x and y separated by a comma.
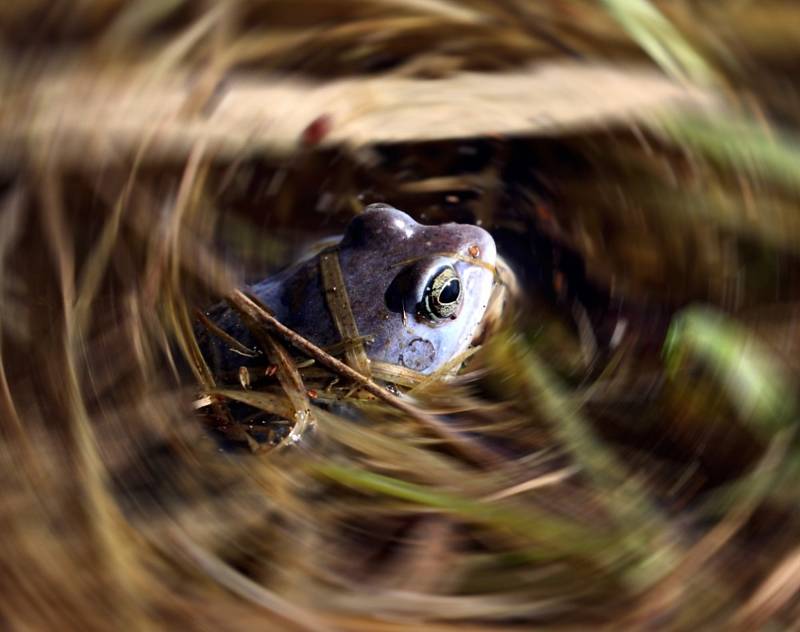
x,y
645,535
136,19
557,537
751,376
661,40
739,143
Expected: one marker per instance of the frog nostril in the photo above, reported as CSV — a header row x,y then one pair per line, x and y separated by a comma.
x,y
487,251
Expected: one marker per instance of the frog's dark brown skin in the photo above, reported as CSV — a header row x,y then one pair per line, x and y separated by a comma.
x,y
402,279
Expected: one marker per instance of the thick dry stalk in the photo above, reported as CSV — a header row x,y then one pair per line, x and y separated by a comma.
x,y
91,116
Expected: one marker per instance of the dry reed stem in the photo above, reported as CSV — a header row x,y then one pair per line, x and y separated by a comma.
x,y
91,117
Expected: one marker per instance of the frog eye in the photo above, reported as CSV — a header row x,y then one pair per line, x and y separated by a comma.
x,y
442,295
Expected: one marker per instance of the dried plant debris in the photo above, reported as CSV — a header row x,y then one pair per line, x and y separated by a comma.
x,y
618,451
85,117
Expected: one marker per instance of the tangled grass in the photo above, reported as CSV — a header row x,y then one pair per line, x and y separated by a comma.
x,y
610,456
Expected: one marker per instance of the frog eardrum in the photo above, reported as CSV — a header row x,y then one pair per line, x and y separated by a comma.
x,y
396,292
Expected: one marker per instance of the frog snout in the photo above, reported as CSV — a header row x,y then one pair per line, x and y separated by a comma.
x,y
481,246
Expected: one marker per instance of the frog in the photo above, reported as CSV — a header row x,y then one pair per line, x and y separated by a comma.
x,y
417,293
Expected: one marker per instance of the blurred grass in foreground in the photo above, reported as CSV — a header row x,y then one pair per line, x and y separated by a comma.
x,y
643,474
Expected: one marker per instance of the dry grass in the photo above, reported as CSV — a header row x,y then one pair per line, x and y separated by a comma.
x,y
630,158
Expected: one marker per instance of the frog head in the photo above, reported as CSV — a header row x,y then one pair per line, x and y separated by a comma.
x,y
419,292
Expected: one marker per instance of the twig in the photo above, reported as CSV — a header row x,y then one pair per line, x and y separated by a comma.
x,y
466,446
